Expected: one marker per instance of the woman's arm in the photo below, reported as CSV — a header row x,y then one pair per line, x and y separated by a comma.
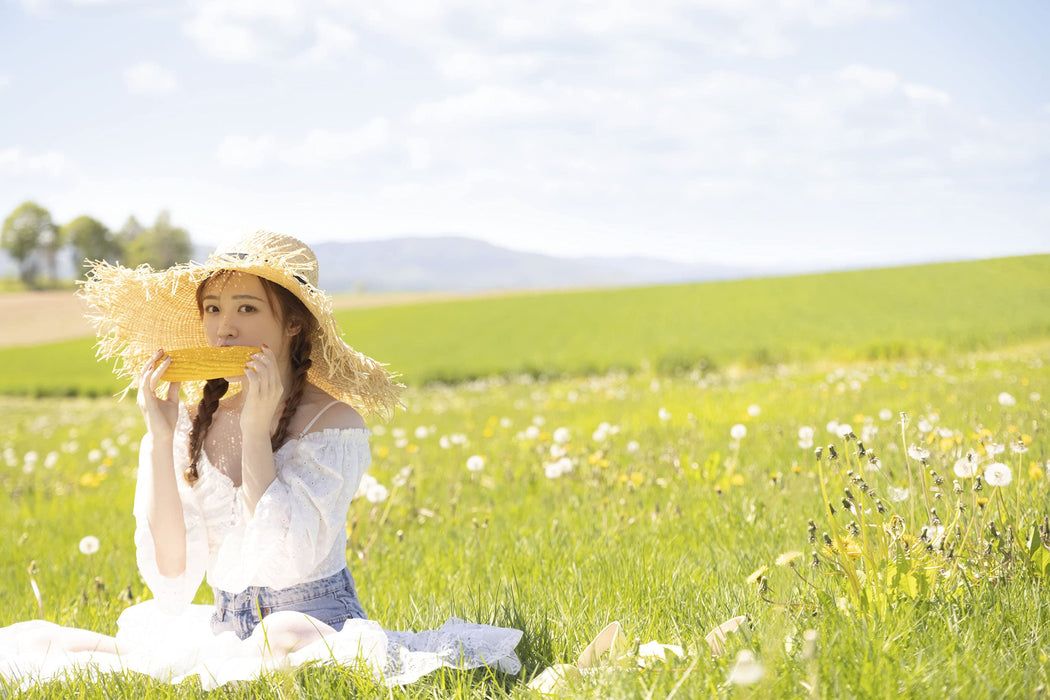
x,y
163,504
263,395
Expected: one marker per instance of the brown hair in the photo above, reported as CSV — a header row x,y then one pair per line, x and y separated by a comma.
x,y
292,314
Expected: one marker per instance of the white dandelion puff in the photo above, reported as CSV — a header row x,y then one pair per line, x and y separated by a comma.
x,y
376,493
664,414
897,493
998,474
917,452
633,446
738,431
1006,399
562,436
885,415
994,448
754,410
1018,447
475,463
966,467
532,432
844,429
89,545
747,670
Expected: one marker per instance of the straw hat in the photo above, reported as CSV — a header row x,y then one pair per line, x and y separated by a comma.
x,y
136,311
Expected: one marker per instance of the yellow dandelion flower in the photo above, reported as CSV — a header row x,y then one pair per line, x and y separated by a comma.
x,y
593,458
90,480
796,468
1012,428
1026,439
982,502
756,574
637,478
603,463
107,462
382,451
858,418
623,478
947,443
786,558
1035,472
849,547
737,480
493,420
931,438
545,436
412,448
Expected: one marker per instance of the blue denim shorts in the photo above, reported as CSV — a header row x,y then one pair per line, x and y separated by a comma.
x,y
331,600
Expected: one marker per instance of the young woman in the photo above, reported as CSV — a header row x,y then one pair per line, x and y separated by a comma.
x,y
248,483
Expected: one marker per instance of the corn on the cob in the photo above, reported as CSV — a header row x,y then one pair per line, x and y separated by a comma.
x,y
192,364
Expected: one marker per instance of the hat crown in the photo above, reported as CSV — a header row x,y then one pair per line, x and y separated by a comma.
x,y
277,251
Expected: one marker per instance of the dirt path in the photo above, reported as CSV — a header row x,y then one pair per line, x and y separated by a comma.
x,y
31,318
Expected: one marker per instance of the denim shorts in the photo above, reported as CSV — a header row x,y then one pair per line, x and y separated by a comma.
x,y
332,600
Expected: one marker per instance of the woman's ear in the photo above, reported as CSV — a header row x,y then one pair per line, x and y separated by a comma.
x,y
292,329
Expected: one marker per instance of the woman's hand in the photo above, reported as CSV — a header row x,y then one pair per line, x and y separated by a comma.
x,y
263,393
160,414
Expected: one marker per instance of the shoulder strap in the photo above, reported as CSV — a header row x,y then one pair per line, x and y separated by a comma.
x,y
309,425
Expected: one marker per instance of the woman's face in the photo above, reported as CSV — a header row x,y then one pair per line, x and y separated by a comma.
x,y
237,311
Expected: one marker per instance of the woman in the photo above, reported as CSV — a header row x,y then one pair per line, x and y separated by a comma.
x,y
249,484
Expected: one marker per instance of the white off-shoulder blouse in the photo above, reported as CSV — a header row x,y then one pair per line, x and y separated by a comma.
x,y
298,531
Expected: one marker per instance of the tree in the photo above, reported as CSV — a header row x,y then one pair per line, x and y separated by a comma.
x,y
28,230
160,246
91,240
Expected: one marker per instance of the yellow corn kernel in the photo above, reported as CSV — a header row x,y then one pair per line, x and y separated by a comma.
x,y
193,364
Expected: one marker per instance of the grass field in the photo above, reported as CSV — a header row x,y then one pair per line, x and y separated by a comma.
x,y
645,508
922,311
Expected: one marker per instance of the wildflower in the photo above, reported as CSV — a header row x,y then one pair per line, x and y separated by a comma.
x,y
421,432
51,460
562,436
738,431
805,437
664,414
376,493
844,430
557,451
637,478
924,425
401,443
1035,471
444,442
475,463
458,439
398,432
1018,447
1034,397
898,494
756,574
994,448
917,452
998,474
633,446
833,427
787,558
966,467
885,414
1005,399
753,410
532,432
538,421
558,468
89,545
747,670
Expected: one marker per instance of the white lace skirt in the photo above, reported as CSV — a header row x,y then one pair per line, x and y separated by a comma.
x,y
172,649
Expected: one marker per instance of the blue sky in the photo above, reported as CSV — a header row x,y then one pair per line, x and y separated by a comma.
x,y
777,133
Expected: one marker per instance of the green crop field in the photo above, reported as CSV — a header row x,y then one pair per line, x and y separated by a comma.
x,y
647,457
921,311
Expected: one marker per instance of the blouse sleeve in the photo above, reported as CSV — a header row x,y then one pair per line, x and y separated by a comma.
x,y
302,515
173,594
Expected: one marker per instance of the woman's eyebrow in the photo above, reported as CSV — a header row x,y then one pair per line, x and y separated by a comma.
x,y
235,296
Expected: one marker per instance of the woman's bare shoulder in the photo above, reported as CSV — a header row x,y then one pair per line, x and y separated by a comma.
x,y
339,416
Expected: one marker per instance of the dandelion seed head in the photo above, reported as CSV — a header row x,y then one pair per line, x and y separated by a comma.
x,y
738,431
633,446
475,463
1018,447
1006,399
562,436
897,494
746,670
885,415
998,474
89,545
994,448
664,414
918,452
754,410
532,432
376,493
966,467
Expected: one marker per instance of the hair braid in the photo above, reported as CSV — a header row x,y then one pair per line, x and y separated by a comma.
x,y
301,362
214,390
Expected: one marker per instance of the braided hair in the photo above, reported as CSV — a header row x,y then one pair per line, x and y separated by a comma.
x,y
293,315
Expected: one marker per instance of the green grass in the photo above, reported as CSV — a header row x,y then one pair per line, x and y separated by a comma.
x,y
661,538
922,311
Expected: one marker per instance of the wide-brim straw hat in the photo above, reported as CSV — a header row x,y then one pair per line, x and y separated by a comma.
x,y
137,311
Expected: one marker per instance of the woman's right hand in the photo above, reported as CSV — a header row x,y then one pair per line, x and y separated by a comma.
x,y
160,414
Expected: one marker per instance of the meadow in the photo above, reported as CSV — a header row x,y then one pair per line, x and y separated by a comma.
x,y
577,482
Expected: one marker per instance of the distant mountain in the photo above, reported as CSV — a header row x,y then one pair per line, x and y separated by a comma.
x,y
453,263
459,264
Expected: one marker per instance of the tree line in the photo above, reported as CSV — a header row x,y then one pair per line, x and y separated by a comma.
x,y
35,241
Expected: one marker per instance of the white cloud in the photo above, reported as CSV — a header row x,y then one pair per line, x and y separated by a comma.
x,y
486,103
318,148
148,78
4,81
14,162
332,40
926,94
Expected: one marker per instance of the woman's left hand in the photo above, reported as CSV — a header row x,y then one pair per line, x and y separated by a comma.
x,y
263,392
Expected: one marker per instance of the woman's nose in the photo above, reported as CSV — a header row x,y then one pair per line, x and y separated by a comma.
x,y
227,327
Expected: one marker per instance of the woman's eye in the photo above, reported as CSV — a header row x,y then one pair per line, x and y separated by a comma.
x,y
210,308
247,308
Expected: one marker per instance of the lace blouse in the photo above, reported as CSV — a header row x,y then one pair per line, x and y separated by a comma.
x,y
298,531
